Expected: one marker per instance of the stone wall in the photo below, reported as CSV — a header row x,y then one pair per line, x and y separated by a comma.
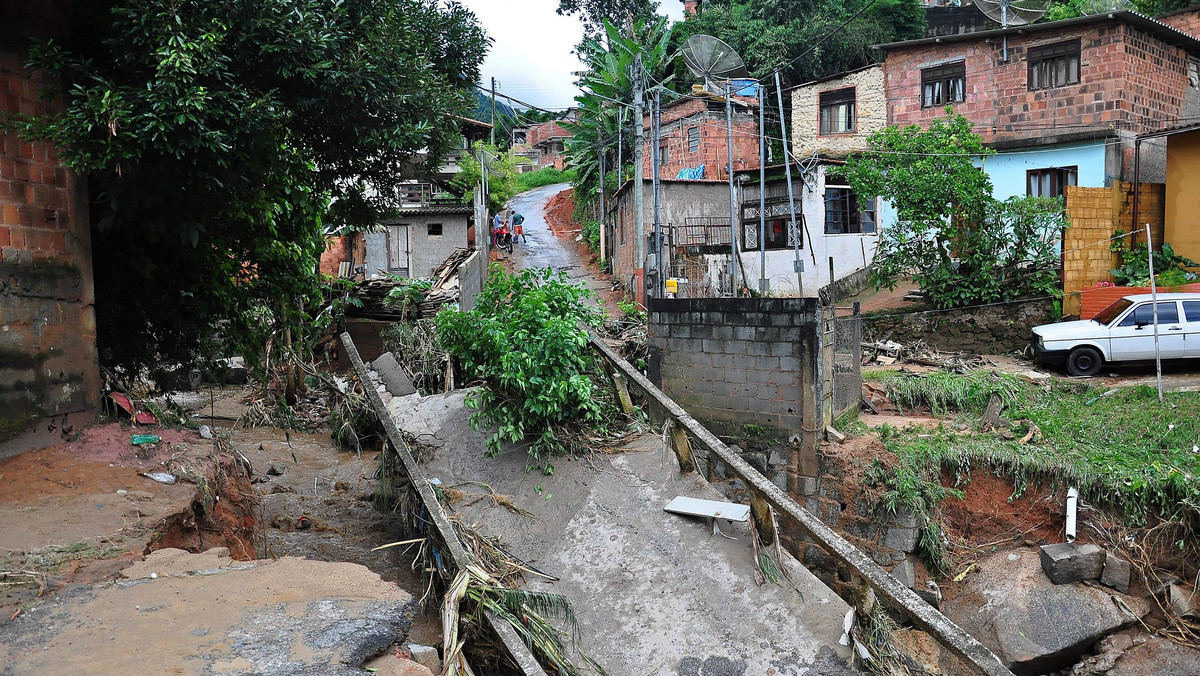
x,y
995,329
48,360
871,113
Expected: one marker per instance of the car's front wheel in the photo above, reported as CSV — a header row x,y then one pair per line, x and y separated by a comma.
x,y
1084,361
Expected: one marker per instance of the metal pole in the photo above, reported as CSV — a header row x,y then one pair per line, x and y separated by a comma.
x,y
657,167
620,146
1154,302
639,200
733,256
1137,184
493,111
787,164
603,210
762,194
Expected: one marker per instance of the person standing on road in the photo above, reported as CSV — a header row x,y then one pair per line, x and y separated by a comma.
x,y
496,225
518,222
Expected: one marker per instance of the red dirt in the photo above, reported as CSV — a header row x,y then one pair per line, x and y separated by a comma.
x,y
986,515
560,216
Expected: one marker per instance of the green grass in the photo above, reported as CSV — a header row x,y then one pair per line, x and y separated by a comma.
x,y
1127,453
543,177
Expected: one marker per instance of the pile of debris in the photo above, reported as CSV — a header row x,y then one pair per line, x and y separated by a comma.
x,y
888,352
441,290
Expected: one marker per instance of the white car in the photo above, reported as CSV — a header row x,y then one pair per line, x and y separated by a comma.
x,y
1123,331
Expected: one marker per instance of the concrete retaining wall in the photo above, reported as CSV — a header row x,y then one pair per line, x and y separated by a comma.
x,y
996,329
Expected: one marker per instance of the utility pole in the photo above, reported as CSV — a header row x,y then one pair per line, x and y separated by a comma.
x,y
620,145
762,194
1154,302
656,164
493,111
787,164
733,257
639,199
603,210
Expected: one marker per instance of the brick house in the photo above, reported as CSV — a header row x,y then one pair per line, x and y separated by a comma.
x,y
49,372
692,134
548,141
1064,111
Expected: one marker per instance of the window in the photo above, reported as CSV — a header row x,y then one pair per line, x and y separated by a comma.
x,y
845,213
663,155
837,111
1194,73
1191,310
943,84
693,139
1050,182
433,229
777,227
1054,65
1143,315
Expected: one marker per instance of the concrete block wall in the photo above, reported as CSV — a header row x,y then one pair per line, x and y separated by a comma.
x,y
1095,215
429,251
48,360
870,110
732,362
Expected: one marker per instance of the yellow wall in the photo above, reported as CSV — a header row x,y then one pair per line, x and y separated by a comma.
x,y
1183,194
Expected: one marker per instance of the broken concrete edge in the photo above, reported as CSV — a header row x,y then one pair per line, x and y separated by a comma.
x,y
885,585
517,650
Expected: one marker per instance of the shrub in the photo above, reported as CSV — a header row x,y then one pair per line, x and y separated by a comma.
x,y
543,177
523,339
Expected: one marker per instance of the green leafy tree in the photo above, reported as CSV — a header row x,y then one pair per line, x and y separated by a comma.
x,y
960,244
788,34
524,340
594,13
610,77
502,175
221,136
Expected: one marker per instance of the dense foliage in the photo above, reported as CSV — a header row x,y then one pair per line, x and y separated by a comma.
x,y
524,341
593,13
610,77
221,137
502,175
1068,9
788,34
543,177
961,245
1170,268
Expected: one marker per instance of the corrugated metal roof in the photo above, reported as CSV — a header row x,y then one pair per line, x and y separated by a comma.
x,y
435,209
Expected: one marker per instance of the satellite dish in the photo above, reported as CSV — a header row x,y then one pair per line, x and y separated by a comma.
x,y
1013,12
711,59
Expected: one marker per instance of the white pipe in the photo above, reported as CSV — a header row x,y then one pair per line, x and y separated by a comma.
x,y
1072,508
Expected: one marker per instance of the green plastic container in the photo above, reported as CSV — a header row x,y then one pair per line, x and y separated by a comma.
x,y
139,439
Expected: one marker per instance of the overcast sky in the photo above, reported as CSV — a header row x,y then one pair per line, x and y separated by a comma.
x,y
532,48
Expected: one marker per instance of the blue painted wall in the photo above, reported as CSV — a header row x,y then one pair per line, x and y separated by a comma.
x,y
1007,169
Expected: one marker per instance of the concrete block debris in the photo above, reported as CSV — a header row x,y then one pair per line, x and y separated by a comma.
x,y
1068,562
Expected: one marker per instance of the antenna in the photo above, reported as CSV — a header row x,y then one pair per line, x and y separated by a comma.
x,y
711,59
1012,13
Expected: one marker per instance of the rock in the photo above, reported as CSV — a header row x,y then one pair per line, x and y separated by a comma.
x,y
1108,651
235,371
906,573
277,489
1068,562
931,596
834,435
1117,573
140,496
1158,656
1180,598
1032,624
276,469
390,664
929,655
392,376
426,656
903,539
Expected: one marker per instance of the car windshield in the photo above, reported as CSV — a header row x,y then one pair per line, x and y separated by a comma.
x,y
1108,314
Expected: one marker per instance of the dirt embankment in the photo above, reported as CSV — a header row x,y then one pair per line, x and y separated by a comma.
x,y
560,216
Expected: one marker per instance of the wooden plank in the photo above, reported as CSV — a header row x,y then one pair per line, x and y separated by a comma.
x,y
712,508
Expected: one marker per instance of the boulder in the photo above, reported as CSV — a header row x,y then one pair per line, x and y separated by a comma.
x,y
1117,573
1032,624
1068,562
1158,656
427,656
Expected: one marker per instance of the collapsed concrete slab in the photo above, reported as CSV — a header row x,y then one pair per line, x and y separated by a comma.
x,y
1033,624
207,614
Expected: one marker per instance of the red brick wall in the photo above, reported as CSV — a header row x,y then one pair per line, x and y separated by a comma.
x,y
1129,79
350,248
48,361
1187,21
713,153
